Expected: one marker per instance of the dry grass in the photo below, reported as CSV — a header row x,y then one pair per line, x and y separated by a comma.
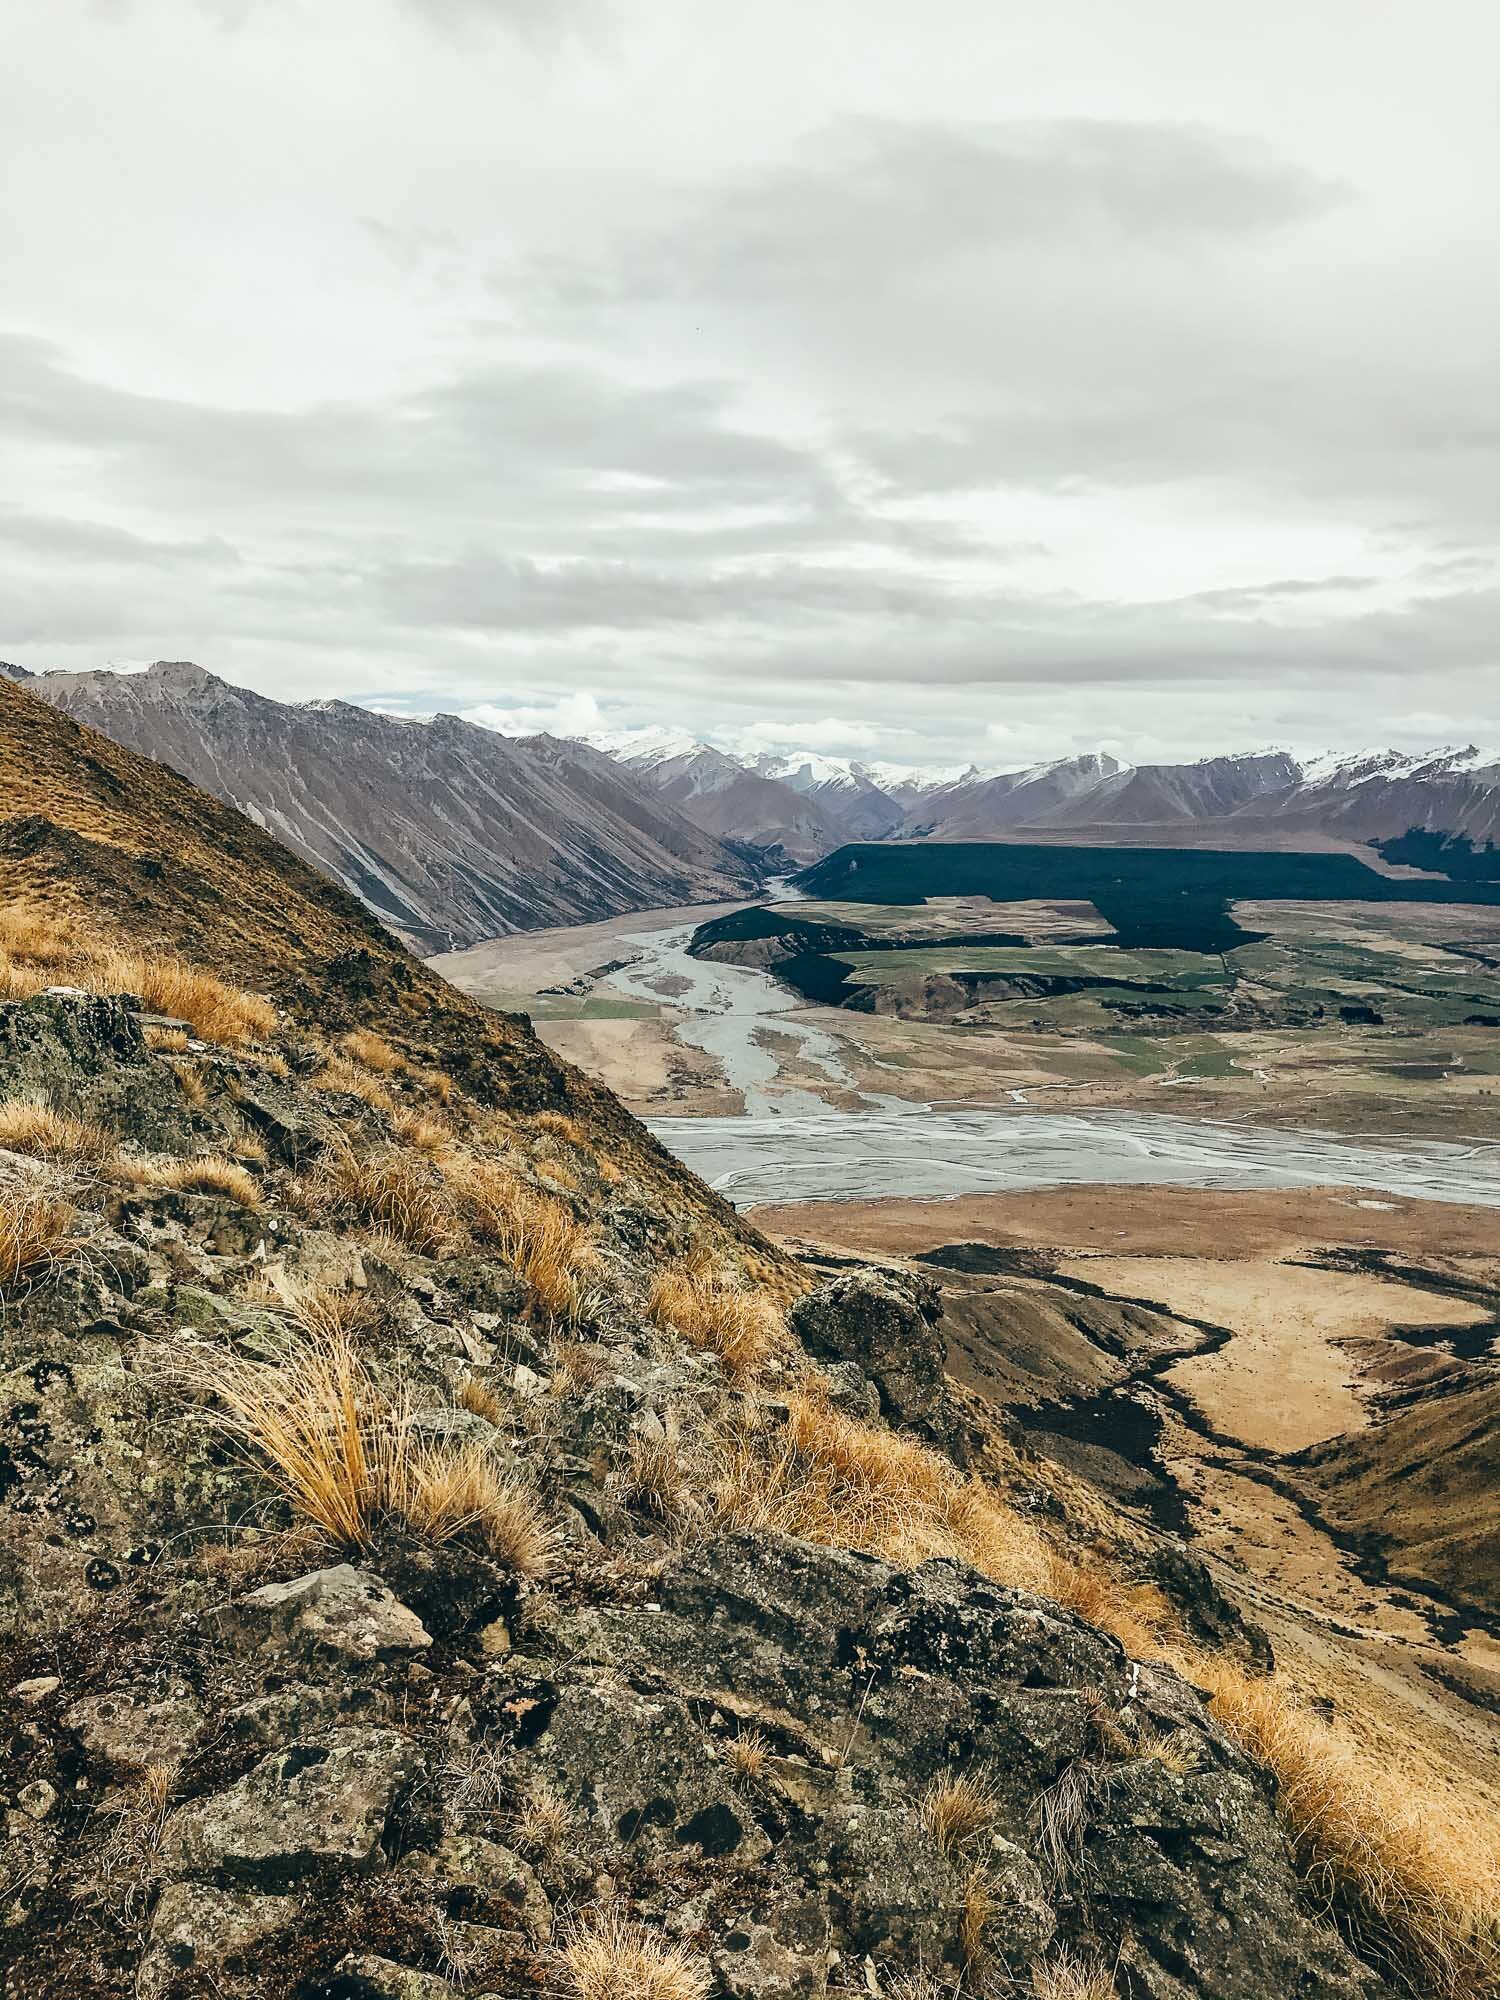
x,y
37,1227
37,1129
1417,1890
422,1132
747,1755
709,1309
606,1957
384,1189
958,1809
575,1366
353,1080
540,1238
542,1823
1068,1977
346,1455
833,1480
979,1912
331,1311
210,1173
167,1041
445,1492
561,1125
481,1399
363,1045
32,938
656,1479
214,1011
190,1086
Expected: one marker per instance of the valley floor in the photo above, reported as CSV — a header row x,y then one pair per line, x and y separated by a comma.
x,y
1252,1327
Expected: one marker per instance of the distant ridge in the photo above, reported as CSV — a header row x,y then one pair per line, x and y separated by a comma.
x,y
448,831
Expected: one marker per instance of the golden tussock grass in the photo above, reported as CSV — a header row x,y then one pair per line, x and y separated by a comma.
x,y
540,1238
33,938
978,1913
655,1479
422,1132
747,1755
190,1086
167,1041
958,1808
479,1398
1416,1888
215,1011
709,1309
353,1080
363,1045
210,1173
542,1822
561,1125
334,1311
1068,1977
346,1455
36,951
384,1189
575,1366
831,1479
606,1957
37,1227
443,1492
47,1134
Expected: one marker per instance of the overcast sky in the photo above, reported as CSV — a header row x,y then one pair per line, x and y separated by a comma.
x,y
906,378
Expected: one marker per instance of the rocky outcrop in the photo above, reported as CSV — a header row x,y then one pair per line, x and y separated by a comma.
x,y
884,1324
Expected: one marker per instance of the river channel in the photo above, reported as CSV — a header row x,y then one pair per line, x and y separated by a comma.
x,y
789,1146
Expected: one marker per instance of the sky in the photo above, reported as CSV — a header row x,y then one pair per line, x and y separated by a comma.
x,y
916,380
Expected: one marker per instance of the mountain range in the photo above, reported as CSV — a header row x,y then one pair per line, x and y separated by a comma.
x,y
453,833
1245,799
448,831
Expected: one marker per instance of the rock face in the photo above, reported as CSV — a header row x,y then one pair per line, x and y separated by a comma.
x,y
885,1323
449,832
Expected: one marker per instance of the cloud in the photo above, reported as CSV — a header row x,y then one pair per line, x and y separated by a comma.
x,y
575,714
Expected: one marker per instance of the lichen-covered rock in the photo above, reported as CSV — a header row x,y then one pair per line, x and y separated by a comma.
x,y
342,1613
885,1323
363,1976
324,1803
211,1933
129,1733
495,1882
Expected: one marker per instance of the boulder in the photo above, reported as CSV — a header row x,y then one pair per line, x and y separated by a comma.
x,y
342,1613
885,1323
312,1804
206,1931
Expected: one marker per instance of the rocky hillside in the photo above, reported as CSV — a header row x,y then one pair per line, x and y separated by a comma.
x,y
443,1552
449,832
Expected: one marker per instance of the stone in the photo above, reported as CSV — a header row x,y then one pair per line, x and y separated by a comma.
x,y
885,1323
752,1964
310,1804
365,1977
38,1688
37,1800
200,1929
501,1882
128,1733
339,1613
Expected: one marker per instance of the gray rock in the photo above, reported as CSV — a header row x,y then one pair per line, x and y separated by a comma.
x,y
504,1885
752,1964
886,1324
209,1931
315,1803
128,1733
369,1978
339,1613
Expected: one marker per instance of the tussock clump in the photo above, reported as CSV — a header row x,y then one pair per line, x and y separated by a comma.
x,y
444,1492
1068,1977
1417,1891
213,1010
333,1311
561,1125
748,1755
346,1455
542,1823
363,1045
32,938
834,1480
190,1086
483,1401
540,1238
606,1957
37,1227
47,1134
422,1132
352,1079
384,1189
210,1173
711,1311
958,1809
167,1041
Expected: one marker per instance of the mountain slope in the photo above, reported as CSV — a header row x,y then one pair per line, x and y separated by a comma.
x,y
844,790
450,832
